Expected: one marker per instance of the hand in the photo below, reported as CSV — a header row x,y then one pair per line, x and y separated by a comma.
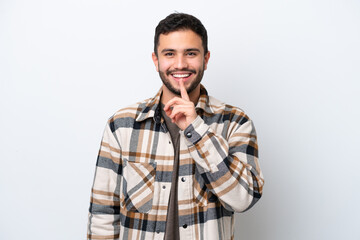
x,y
181,110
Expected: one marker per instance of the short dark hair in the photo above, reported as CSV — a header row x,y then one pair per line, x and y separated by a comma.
x,y
180,21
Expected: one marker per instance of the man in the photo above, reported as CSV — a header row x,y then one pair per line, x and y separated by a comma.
x,y
178,165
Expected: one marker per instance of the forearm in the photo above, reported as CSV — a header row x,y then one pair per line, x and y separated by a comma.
x,y
229,167
103,220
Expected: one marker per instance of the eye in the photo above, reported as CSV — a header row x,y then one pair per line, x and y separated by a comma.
x,y
169,54
191,53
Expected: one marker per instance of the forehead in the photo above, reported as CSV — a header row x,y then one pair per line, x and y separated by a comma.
x,y
178,40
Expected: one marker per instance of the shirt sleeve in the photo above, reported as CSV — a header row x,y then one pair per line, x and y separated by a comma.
x,y
103,217
229,166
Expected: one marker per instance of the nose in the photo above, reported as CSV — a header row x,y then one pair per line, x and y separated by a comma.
x,y
181,62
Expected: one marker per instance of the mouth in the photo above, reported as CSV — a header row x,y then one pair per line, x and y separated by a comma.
x,y
181,76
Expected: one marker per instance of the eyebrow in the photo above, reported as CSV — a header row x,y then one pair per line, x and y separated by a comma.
x,y
186,50
192,50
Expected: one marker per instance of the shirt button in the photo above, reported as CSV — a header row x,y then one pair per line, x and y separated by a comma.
x,y
157,231
188,135
164,187
185,226
183,179
169,142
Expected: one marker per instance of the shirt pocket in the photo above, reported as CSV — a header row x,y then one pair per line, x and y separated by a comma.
x,y
138,186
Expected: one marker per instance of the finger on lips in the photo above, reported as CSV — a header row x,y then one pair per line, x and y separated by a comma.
x,y
177,107
183,91
176,100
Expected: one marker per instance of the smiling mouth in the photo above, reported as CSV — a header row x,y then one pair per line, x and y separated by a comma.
x,y
181,75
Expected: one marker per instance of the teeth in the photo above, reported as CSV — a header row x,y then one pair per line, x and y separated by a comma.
x,y
181,75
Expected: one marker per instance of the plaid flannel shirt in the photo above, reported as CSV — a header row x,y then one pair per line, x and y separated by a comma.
x,y
219,173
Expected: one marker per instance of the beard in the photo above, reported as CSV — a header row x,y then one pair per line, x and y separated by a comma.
x,y
193,85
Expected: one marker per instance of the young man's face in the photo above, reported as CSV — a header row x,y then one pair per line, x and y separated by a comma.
x,y
180,58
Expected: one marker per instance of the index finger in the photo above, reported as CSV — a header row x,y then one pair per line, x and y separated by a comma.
x,y
183,91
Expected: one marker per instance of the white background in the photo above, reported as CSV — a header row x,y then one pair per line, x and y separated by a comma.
x,y
293,66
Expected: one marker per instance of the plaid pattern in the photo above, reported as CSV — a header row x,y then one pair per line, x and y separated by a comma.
x,y
219,173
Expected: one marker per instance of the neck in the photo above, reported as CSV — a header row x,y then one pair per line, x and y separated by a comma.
x,y
167,95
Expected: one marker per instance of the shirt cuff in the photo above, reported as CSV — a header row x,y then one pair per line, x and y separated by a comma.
x,y
196,130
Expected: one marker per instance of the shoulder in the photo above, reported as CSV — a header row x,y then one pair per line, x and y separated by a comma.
x,y
130,112
230,117
226,110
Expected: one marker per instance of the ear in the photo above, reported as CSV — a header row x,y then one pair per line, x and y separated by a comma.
x,y
155,60
206,59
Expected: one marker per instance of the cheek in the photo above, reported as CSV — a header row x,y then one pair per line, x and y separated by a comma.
x,y
163,66
198,64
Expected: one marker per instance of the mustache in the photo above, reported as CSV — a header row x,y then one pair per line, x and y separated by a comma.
x,y
168,72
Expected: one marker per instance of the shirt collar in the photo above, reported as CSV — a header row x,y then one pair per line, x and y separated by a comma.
x,y
150,109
